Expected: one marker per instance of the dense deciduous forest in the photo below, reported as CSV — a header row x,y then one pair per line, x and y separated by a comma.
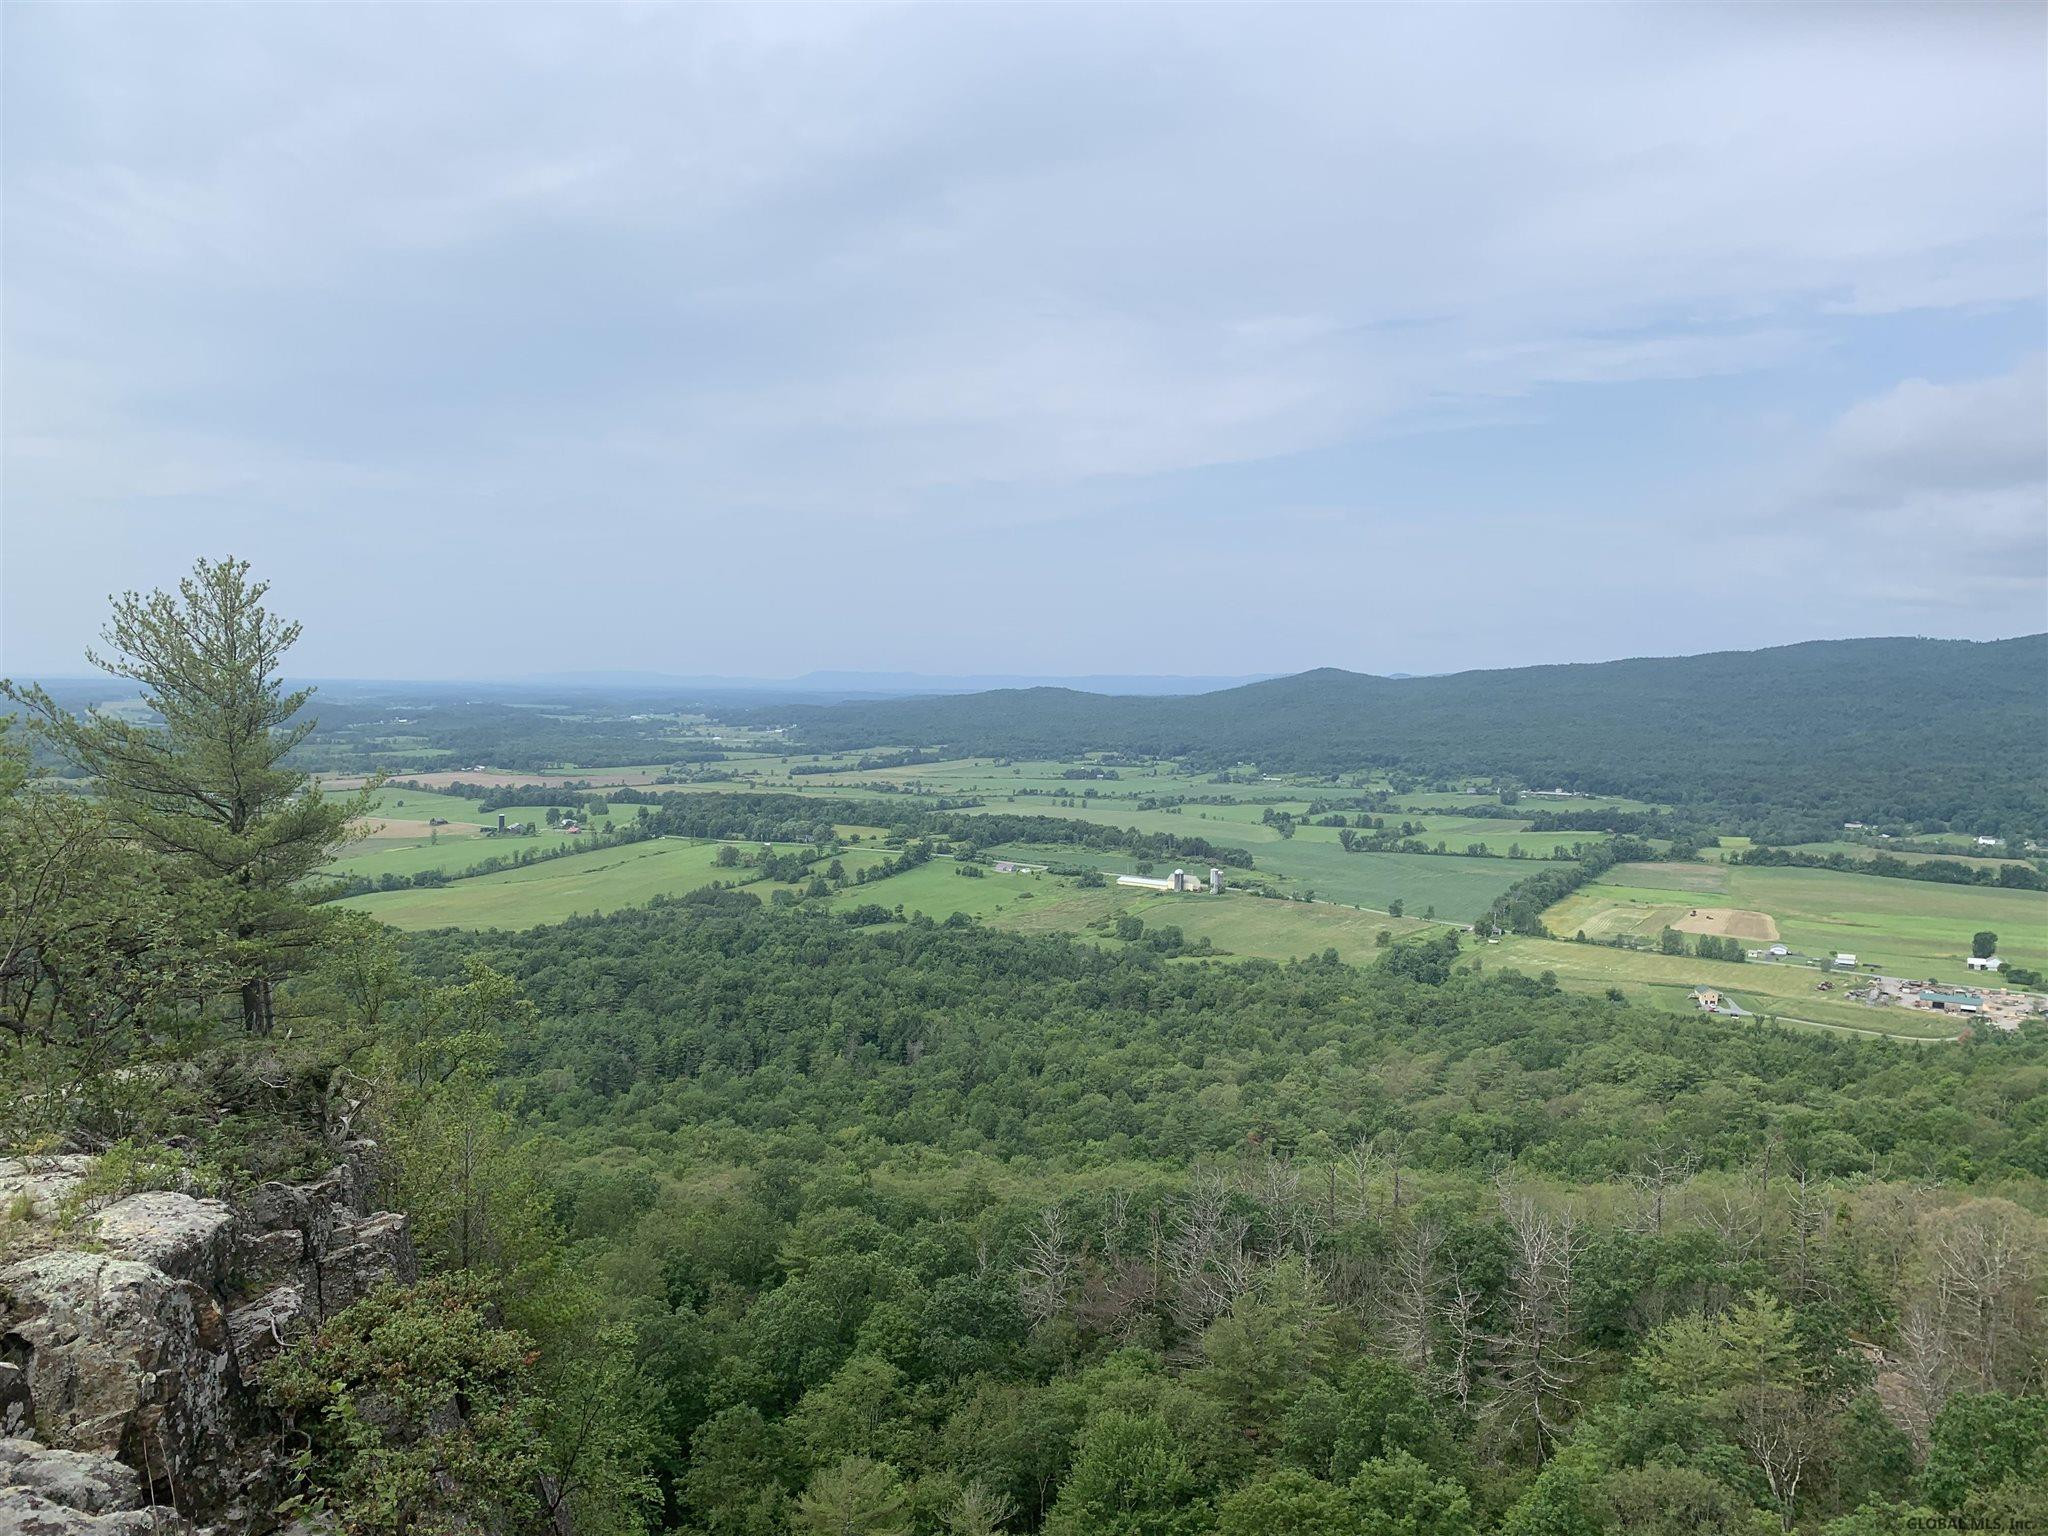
x,y
933,1219
746,1220
1797,739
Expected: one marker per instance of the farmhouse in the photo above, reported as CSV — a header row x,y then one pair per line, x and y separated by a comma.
x,y
1983,962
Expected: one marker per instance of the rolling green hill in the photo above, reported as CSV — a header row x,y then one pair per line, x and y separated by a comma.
x,y
1909,731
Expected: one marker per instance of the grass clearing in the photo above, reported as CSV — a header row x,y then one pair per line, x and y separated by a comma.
x,y
1239,924
1915,928
1459,889
602,880
1666,982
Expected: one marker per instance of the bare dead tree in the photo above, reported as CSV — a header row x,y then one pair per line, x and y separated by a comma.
x,y
1116,1211
1784,1431
1358,1176
1208,1259
1986,1290
1274,1186
1416,1294
1926,1369
1531,1362
1048,1266
1655,1185
1808,1216
1458,1315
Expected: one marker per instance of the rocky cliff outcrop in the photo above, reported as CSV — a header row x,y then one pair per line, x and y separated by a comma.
x,y
131,1336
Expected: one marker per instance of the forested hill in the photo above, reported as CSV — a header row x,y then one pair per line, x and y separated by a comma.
x,y
1863,730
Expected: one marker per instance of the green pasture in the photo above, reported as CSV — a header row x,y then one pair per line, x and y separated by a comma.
x,y
1111,861
451,848
451,855
1666,981
1460,889
1237,923
601,880
1917,928
423,804
1528,805
1174,823
938,890
1257,927
1459,833
1866,851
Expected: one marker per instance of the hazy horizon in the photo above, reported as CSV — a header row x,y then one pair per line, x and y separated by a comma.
x,y
1060,342
822,680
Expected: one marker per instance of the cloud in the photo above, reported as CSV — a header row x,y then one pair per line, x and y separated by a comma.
x,y
699,272
1933,494
1960,439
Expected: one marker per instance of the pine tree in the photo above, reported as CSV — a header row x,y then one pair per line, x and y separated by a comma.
x,y
207,790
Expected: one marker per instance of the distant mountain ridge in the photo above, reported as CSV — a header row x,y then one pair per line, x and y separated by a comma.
x,y
1907,729
889,684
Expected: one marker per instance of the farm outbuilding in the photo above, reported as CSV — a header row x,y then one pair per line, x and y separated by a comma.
x,y
1983,962
1179,881
1951,1002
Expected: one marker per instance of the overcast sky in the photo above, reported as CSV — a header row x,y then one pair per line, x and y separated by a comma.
x,y
1036,339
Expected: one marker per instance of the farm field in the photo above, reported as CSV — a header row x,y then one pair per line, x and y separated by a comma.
x,y
414,805
1112,861
451,855
1313,860
602,880
1458,833
1239,833
1916,928
1666,982
1257,928
938,890
597,778
1452,800
403,842
1242,925
1459,889
1865,851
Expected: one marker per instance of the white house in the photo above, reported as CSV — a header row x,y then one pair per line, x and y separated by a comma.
x,y
1845,960
1983,962
1989,842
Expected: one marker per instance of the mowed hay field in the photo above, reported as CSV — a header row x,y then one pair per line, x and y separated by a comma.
x,y
938,889
1460,889
1255,927
1915,928
1237,923
440,779
602,880
403,841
